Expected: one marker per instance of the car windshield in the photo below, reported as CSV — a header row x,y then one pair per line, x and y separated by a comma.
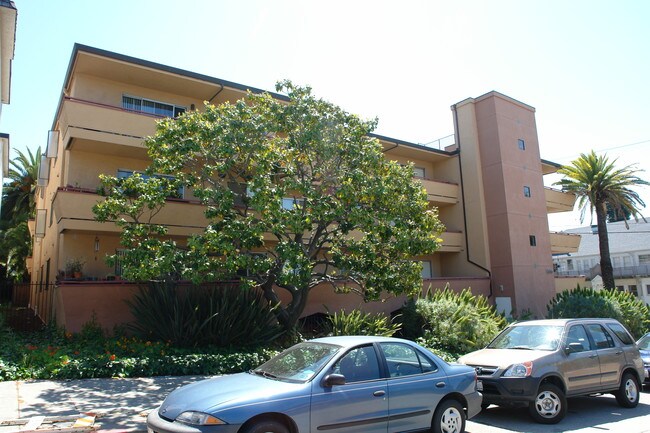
x,y
644,342
528,337
299,363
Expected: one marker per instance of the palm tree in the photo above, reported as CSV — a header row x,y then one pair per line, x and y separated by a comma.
x,y
599,185
18,196
18,206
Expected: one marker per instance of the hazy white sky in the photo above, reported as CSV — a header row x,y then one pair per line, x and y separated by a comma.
x,y
584,65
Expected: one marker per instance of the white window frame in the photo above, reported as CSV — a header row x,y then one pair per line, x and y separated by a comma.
x,y
426,267
153,101
417,170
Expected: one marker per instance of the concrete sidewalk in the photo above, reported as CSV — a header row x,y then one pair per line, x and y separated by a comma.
x,y
122,404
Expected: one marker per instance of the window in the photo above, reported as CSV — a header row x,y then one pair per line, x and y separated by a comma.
x,y
620,288
601,337
290,203
526,191
627,261
151,107
418,171
427,272
522,144
621,333
119,261
644,259
577,334
647,289
123,174
633,289
533,240
403,360
617,262
358,365
569,264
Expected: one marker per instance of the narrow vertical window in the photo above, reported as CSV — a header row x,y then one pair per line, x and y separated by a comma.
x,y
522,144
526,191
533,240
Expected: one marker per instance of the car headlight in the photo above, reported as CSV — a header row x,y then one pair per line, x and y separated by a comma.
x,y
523,369
198,418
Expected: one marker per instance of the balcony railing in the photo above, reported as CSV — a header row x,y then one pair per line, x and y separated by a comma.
x,y
107,123
563,243
619,272
559,201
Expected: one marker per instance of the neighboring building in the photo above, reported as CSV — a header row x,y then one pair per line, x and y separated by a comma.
x,y
630,253
487,183
8,16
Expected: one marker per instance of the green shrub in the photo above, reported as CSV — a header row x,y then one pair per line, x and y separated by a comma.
x,y
215,315
453,322
633,313
359,323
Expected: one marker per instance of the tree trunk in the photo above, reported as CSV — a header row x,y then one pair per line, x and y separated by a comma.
x,y
287,316
607,272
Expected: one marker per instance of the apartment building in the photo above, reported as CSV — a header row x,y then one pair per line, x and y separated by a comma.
x,y
8,15
630,252
486,180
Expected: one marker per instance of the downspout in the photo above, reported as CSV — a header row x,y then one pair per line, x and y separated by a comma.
x,y
390,148
462,194
216,94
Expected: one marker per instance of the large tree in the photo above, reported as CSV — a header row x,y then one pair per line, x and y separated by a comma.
x,y
600,186
296,194
18,206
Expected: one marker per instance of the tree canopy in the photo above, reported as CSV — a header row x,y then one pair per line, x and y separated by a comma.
x,y
296,194
601,187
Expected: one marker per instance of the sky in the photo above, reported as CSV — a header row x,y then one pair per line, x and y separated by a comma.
x,y
583,65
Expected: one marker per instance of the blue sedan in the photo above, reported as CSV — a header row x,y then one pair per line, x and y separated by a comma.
x,y
334,384
644,348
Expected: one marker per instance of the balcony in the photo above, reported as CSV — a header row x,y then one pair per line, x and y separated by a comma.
x,y
73,209
440,193
452,242
558,201
563,243
104,123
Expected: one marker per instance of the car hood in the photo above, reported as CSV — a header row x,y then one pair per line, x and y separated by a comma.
x,y
211,395
502,358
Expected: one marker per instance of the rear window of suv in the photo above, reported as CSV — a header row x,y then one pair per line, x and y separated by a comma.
x,y
621,333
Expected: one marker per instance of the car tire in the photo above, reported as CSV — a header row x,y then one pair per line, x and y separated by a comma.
x,y
549,405
449,417
266,426
628,393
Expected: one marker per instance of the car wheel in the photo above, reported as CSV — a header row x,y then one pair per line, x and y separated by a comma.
x,y
549,406
266,426
628,392
449,417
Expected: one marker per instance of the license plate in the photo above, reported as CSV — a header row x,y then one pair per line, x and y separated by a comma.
x,y
479,386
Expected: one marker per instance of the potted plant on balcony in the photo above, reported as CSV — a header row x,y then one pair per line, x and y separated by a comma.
x,y
73,267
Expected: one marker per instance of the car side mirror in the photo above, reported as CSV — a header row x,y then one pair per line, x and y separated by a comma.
x,y
333,379
574,348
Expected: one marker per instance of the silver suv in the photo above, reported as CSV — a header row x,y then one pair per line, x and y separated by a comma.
x,y
540,363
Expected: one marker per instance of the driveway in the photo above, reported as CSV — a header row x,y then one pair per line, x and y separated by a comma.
x,y
586,415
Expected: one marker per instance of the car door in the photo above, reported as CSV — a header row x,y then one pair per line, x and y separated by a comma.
x,y
581,367
610,356
415,387
360,405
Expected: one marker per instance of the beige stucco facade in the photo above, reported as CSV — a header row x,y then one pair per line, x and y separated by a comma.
x,y
8,16
476,184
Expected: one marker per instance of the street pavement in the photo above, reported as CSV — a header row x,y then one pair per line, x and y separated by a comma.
x,y
123,404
